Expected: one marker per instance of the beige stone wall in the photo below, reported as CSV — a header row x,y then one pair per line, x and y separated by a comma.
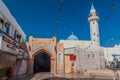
x,y
36,45
60,58
67,64
91,58
30,66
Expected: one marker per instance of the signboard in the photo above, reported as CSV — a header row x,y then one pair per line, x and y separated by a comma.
x,y
12,45
70,50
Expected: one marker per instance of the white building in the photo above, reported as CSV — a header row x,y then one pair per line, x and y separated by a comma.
x,y
89,54
11,32
11,37
84,49
112,52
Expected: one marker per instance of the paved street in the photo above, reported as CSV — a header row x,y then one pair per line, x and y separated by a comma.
x,y
22,77
48,76
89,75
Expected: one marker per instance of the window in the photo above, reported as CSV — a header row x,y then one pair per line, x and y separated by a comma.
x,y
19,37
15,34
94,34
60,59
88,55
1,20
93,55
22,39
7,26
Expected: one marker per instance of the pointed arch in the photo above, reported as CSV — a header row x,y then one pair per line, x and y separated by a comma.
x,y
42,49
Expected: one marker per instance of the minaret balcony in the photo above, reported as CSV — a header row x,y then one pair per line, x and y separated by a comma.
x,y
93,18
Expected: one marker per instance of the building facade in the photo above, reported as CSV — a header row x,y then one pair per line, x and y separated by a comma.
x,y
67,56
112,56
46,54
11,38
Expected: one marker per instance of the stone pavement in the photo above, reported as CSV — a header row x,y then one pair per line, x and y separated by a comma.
x,y
88,75
21,77
48,76
41,76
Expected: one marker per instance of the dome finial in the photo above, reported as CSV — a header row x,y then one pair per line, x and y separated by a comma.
x,y
71,32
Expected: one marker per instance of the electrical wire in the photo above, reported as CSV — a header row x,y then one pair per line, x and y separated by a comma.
x,y
58,18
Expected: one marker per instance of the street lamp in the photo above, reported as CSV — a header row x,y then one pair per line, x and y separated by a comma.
x,y
107,48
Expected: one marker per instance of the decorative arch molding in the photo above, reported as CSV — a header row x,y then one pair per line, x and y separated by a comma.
x,y
39,45
49,52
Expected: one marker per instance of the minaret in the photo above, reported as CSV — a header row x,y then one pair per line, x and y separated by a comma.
x,y
94,30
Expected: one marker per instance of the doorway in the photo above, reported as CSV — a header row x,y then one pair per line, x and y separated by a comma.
x,y
41,62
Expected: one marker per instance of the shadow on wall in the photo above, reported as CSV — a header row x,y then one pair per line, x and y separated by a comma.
x,y
20,67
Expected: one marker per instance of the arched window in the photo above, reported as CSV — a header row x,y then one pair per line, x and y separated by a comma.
x,y
60,59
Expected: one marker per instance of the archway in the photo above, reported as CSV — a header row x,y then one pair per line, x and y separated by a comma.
x,y
42,62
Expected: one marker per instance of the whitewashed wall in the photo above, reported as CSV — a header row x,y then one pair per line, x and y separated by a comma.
x,y
109,51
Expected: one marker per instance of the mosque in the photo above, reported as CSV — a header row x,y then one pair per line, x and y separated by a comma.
x,y
46,54
67,56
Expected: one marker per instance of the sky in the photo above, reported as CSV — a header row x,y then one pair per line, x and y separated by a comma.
x,y
39,17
